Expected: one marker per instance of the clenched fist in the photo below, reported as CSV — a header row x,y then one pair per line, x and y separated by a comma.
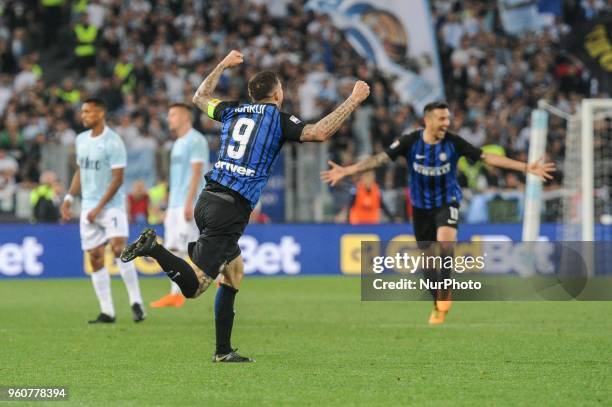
x,y
361,90
232,59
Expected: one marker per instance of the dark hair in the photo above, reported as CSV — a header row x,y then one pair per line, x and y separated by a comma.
x,y
96,101
262,84
434,105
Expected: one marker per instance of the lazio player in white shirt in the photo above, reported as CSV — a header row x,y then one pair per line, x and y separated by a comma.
x,y
101,159
188,161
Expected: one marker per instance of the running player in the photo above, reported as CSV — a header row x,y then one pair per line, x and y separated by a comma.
x,y
188,159
101,159
432,154
252,135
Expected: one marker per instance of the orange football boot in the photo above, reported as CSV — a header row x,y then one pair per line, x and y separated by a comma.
x,y
169,300
437,317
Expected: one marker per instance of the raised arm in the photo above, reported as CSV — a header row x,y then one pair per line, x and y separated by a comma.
x,y
337,172
327,126
206,89
537,168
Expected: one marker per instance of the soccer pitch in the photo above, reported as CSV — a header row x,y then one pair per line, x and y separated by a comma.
x,y
315,343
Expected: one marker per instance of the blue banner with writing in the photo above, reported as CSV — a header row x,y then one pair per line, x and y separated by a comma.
x,y
53,251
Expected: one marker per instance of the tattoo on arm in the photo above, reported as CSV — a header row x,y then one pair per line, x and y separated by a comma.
x,y
370,163
206,89
328,125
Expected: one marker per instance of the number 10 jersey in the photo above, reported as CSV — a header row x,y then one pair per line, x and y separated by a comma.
x,y
252,136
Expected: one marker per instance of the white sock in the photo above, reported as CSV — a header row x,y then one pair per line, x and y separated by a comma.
x,y
130,279
102,286
174,288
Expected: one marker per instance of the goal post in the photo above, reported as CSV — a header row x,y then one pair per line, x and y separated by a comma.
x,y
533,188
585,198
588,110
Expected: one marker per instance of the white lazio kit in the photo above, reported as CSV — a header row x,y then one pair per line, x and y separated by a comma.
x,y
187,150
96,158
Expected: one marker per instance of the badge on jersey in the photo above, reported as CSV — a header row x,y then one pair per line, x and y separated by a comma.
x,y
212,104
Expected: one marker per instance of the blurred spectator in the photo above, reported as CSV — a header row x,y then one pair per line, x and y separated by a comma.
x,y
257,216
140,55
138,203
26,78
68,93
6,91
64,134
8,169
367,201
45,199
52,19
85,36
8,62
592,8
158,200
12,140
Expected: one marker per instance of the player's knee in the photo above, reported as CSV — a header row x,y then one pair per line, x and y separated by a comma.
x,y
234,272
117,247
238,272
97,260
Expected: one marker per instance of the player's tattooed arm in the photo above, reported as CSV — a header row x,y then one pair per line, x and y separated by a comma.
x,y
206,89
539,168
327,126
337,172
370,163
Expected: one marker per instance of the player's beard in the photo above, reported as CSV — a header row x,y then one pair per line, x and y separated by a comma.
x,y
90,124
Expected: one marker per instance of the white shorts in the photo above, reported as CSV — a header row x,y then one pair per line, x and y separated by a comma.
x,y
177,231
111,222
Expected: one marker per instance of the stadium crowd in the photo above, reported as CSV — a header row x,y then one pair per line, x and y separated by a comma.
x,y
141,55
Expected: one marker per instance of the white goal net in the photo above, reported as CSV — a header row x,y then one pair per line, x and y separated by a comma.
x,y
582,206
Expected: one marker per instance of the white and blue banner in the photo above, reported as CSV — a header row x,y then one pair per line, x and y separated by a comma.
x,y
520,16
53,251
398,36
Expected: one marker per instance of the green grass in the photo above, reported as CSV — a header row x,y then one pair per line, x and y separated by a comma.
x,y
315,343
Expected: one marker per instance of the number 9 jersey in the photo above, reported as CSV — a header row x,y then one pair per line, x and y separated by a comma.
x,y
252,136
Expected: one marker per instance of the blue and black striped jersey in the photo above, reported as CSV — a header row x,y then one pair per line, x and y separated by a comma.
x,y
252,136
433,167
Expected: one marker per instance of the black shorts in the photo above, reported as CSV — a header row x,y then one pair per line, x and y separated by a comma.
x,y
221,215
427,221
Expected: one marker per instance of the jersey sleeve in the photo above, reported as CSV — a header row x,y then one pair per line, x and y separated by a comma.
x,y
401,146
465,148
216,108
199,151
117,155
291,127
